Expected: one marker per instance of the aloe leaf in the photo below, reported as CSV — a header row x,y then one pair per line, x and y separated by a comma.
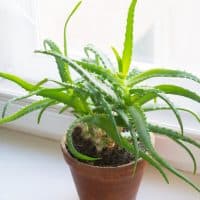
x,y
63,109
67,98
134,72
159,72
105,90
105,75
118,58
42,82
108,110
125,118
146,157
50,45
169,89
156,108
99,120
177,140
66,25
172,134
175,136
173,170
78,92
83,90
155,164
35,92
129,40
27,109
56,94
75,87
106,62
103,122
62,66
24,84
18,99
51,102
139,120
70,144
190,154
173,108
177,90
159,94
142,127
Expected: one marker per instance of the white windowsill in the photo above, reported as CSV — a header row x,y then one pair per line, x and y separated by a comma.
x,y
54,126
33,168
10,90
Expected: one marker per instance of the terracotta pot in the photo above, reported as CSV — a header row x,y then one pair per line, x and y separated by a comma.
x,y
104,183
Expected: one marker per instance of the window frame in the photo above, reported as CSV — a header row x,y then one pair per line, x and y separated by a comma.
x,y
53,126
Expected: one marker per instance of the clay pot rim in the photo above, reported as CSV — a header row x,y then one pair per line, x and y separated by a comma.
x,y
74,161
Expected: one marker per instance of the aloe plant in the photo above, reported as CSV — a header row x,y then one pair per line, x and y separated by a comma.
x,y
110,99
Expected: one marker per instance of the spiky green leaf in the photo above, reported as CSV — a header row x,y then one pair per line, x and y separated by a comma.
x,y
51,102
62,66
189,153
180,91
104,74
155,164
172,134
69,141
161,72
118,58
142,129
105,61
91,80
156,108
169,89
66,25
128,42
52,93
158,93
25,110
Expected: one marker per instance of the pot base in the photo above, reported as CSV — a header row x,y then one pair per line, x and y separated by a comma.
x,y
104,183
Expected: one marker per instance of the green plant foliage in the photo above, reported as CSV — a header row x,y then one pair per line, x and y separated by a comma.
x,y
118,58
62,66
160,72
24,111
128,42
111,100
159,94
100,57
168,89
50,103
66,25
156,108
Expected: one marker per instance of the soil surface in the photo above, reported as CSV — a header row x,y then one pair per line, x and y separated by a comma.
x,y
109,156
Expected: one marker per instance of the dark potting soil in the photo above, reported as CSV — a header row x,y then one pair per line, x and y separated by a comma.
x,y
109,156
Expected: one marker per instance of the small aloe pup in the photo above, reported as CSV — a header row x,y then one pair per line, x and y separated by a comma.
x,y
109,99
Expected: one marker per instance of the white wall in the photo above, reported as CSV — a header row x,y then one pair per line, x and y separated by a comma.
x,y
186,35
98,21
18,35
178,36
